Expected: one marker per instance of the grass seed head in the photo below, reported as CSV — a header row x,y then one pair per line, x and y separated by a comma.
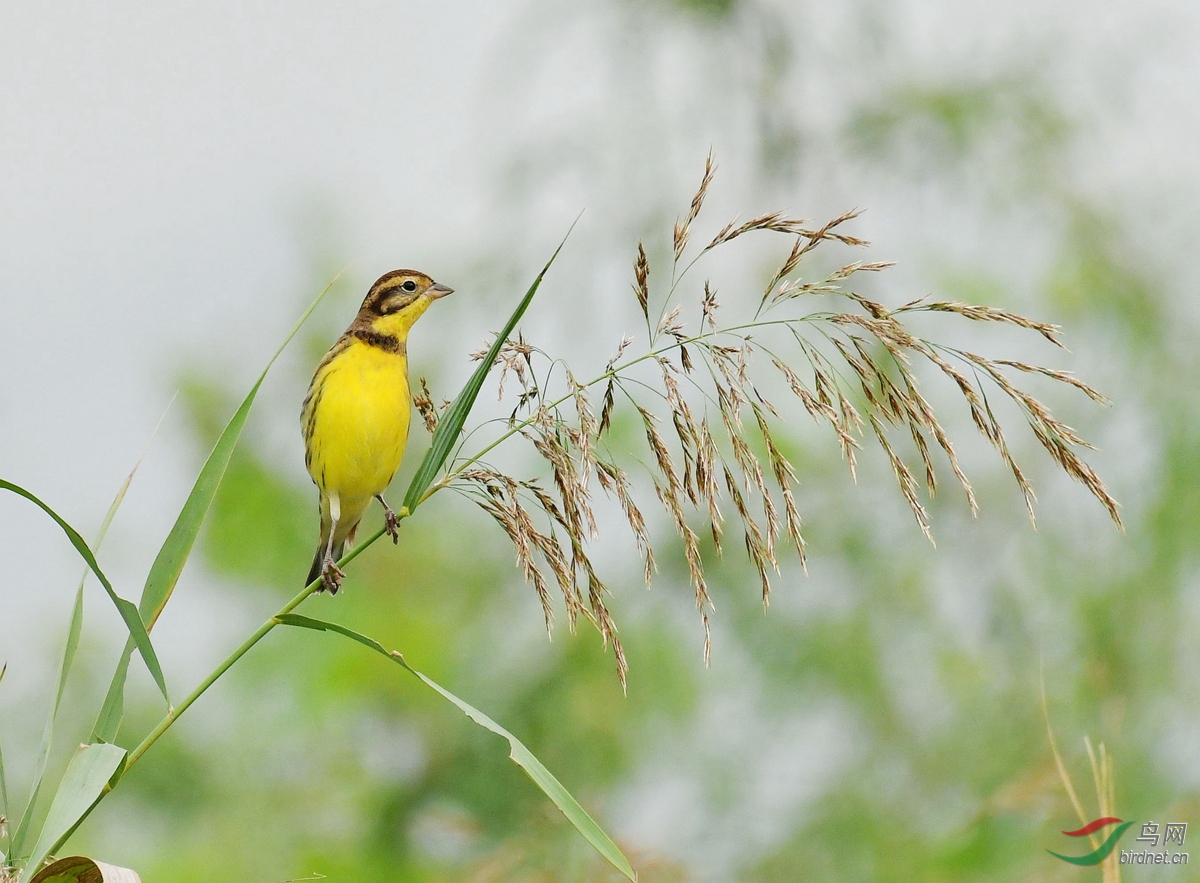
x,y
423,402
851,369
641,286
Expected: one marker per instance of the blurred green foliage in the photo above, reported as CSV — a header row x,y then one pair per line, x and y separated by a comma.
x,y
716,9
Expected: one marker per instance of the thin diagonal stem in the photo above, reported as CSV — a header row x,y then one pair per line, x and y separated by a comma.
x,y
173,714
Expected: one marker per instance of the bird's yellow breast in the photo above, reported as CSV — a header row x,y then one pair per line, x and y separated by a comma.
x,y
356,420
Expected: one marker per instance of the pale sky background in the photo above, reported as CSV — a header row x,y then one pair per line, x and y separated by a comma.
x,y
167,171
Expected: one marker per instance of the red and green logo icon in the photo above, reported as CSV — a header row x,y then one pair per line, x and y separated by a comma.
x,y
1101,852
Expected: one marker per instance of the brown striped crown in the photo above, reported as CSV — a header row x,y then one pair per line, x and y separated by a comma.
x,y
394,303
394,291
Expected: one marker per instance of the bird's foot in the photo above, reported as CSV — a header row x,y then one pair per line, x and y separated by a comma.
x,y
331,577
391,524
391,521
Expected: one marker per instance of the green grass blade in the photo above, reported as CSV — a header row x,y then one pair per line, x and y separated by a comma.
x,y
544,779
84,782
129,613
522,756
451,423
73,632
168,564
108,721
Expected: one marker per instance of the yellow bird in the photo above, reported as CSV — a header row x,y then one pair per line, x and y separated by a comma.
x,y
356,414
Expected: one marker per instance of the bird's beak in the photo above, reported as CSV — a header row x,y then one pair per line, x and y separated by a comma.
x,y
437,290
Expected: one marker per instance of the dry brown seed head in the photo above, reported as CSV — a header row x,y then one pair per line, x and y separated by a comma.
x,y
617,484
514,519
662,454
1061,376
670,324
641,287
862,337
709,307
923,449
755,548
799,247
707,458
784,476
624,344
606,407
866,374
1048,330
904,478
682,229
423,402
588,428
552,553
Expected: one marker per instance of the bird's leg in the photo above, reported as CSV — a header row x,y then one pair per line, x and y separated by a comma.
x,y
391,522
331,574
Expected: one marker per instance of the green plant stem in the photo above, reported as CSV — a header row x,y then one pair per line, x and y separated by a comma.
x,y
174,714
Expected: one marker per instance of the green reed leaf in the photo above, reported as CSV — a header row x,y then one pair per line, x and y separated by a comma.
x,y
451,423
74,631
83,784
522,756
108,721
168,565
129,613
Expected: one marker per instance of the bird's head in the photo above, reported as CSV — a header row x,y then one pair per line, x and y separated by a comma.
x,y
397,300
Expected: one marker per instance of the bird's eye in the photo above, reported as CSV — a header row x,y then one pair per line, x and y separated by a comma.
x,y
409,286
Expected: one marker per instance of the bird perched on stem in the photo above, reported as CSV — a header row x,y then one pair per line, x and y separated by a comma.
x,y
356,414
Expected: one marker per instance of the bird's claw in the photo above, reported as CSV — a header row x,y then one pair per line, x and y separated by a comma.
x,y
391,521
391,524
331,576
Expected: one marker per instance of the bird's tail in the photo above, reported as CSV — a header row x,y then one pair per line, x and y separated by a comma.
x,y
339,549
344,527
318,562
